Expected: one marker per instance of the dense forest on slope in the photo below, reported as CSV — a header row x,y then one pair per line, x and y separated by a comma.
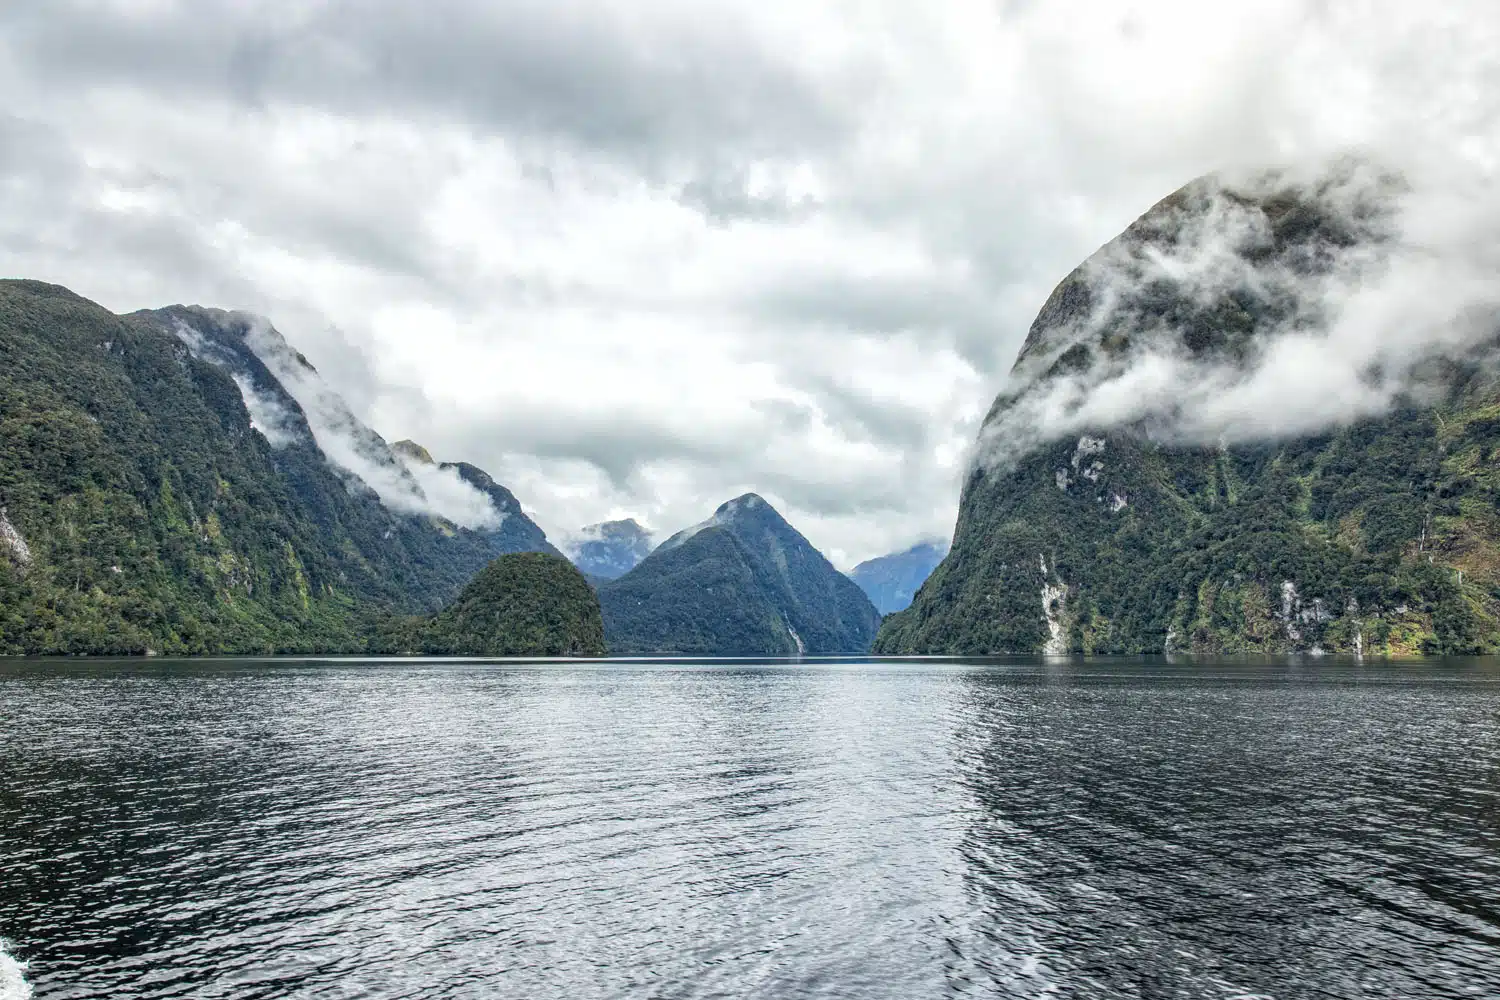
x,y
523,604
745,582
141,510
1381,535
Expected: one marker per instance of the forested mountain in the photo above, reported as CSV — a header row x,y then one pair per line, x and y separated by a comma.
x,y
609,550
182,481
1094,522
522,604
744,582
890,582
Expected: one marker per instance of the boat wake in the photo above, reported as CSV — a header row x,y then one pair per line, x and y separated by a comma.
x,y
13,984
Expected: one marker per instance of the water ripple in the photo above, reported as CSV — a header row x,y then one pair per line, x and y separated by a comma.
x,y
284,829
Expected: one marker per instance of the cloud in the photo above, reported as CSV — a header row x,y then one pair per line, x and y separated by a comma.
x,y
635,260
663,80
404,485
449,495
1267,306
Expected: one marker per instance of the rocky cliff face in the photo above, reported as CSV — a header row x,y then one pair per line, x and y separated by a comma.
x,y
1153,480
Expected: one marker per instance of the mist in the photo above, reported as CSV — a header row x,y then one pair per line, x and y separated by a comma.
x,y
363,456
790,248
1400,280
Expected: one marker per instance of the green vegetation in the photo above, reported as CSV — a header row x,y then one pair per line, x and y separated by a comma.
x,y
1382,537
141,511
1385,532
746,583
525,604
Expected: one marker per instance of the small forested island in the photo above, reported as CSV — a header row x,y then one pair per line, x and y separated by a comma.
x,y
523,604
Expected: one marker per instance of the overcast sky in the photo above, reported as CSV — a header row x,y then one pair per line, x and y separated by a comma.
x,y
637,257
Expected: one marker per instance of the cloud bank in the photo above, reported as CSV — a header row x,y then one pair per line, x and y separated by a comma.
x,y
634,261
404,485
1261,307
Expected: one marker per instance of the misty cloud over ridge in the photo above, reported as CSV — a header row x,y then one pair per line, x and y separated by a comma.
x,y
319,415
1265,306
635,261
404,485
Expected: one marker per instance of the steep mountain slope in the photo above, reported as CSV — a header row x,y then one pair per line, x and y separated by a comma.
x,y
891,581
1127,498
609,550
522,604
163,490
744,582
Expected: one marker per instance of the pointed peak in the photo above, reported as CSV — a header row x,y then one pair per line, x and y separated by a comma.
x,y
741,505
627,527
407,448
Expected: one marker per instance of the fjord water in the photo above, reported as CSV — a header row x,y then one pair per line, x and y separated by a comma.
x,y
930,829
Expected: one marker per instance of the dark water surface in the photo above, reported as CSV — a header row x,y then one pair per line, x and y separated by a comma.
x,y
886,830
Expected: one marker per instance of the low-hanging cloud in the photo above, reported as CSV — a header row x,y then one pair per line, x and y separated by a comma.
x,y
1377,276
410,487
635,260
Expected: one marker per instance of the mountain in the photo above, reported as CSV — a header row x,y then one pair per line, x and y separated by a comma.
x,y
1093,522
523,604
609,550
744,582
182,481
891,581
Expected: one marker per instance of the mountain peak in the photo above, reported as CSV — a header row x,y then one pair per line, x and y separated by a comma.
x,y
407,448
744,581
890,581
609,549
740,505
624,527
740,510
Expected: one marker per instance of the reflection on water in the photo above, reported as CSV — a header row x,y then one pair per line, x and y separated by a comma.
x,y
285,829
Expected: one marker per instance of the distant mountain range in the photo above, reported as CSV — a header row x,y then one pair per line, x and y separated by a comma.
x,y
743,582
609,550
892,581
181,480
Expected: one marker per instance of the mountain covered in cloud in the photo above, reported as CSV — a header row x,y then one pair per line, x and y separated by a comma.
x,y
744,582
609,550
1263,419
891,581
182,480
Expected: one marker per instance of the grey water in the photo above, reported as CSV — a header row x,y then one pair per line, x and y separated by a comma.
x,y
903,830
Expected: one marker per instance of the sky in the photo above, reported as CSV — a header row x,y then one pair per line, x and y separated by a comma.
x,y
635,259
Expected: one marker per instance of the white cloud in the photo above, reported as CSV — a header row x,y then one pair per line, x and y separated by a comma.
x,y
1338,342
411,487
637,266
